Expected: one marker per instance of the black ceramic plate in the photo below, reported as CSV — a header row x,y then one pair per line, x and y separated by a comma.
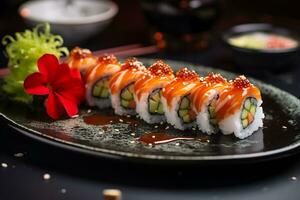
x,y
279,136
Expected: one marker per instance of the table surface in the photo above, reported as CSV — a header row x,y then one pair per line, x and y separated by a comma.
x,y
76,176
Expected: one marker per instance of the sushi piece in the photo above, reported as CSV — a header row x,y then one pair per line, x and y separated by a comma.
x,y
238,109
176,99
97,91
204,97
148,92
121,86
81,59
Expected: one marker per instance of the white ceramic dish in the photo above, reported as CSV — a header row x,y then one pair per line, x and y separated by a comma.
x,y
75,20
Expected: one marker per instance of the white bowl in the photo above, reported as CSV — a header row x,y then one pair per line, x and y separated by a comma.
x,y
75,22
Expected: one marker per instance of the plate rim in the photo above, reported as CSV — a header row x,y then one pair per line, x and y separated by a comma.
x,y
96,151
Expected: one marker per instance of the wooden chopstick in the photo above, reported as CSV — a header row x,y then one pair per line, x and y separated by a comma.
x,y
126,50
131,51
116,49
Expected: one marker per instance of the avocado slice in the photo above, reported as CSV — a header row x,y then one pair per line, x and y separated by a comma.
x,y
211,111
124,103
183,112
96,90
131,88
153,105
156,97
126,94
185,103
160,109
186,119
104,93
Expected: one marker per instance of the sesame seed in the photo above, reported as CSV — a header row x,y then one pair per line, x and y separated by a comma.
x,y
89,111
128,116
161,122
4,165
193,128
177,144
293,178
63,191
75,116
167,127
207,140
117,130
133,134
121,120
153,136
155,126
132,142
46,176
284,127
111,121
18,155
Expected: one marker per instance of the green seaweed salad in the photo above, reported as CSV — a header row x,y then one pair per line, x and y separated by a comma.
x,y
23,51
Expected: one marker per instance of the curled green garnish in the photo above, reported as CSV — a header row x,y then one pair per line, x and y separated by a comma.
x,y
23,51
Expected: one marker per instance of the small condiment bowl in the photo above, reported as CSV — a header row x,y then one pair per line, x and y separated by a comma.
x,y
262,59
75,20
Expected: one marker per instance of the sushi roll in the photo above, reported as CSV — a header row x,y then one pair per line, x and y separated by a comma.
x,y
238,109
121,86
97,92
81,59
203,98
176,99
148,92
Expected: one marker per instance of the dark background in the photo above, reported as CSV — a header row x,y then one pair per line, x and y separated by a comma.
x,y
84,177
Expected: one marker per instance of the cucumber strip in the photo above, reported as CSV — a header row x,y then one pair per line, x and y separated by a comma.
x,y
244,114
253,101
253,109
245,123
247,104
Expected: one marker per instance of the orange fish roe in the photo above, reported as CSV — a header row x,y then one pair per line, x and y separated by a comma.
x,y
133,63
187,75
214,78
78,53
159,68
241,82
108,59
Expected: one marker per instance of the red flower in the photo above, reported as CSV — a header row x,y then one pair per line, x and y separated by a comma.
x,y
64,86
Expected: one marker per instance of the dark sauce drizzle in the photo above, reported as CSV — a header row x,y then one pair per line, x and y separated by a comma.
x,y
154,138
